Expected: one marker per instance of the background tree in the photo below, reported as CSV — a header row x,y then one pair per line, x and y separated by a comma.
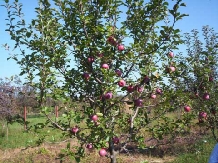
x,y
9,110
200,75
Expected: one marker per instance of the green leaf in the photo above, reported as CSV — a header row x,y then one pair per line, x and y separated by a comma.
x,y
28,34
77,159
171,12
68,145
100,114
183,4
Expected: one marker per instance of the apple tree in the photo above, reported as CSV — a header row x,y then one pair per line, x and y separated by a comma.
x,y
101,56
9,107
200,75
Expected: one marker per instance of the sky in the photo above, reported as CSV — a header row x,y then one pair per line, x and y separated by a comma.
x,y
201,13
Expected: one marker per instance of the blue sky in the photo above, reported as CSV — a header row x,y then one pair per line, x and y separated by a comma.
x,y
201,12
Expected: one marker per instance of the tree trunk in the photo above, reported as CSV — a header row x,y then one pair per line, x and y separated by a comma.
x,y
113,153
7,131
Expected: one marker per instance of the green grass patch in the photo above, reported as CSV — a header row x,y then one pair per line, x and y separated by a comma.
x,y
16,137
197,153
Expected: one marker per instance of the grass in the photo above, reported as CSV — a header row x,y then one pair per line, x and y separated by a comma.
x,y
197,152
19,138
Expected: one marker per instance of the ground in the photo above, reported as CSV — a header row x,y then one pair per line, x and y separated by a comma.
x,y
48,153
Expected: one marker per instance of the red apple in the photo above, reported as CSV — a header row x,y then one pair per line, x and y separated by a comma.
x,y
130,88
171,54
75,129
146,80
118,72
187,108
122,83
108,95
139,88
89,146
120,47
91,59
102,152
206,96
202,115
111,40
153,96
94,118
210,78
138,102
100,55
116,140
158,91
172,69
105,66
86,76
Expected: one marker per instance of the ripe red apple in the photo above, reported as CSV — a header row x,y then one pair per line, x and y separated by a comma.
x,y
75,129
118,72
172,69
202,115
122,83
130,88
116,140
94,118
139,88
86,76
100,55
91,59
206,96
187,108
146,80
105,66
111,40
158,91
153,96
102,152
138,102
171,54
210,78
89,146
120,47
108,95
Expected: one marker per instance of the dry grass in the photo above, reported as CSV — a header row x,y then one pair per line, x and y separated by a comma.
x,y
48,153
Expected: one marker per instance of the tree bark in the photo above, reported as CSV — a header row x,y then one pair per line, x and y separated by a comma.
x,y
113,153
7,131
